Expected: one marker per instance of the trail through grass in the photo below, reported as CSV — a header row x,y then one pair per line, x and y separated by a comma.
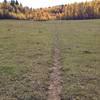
x,y
26,57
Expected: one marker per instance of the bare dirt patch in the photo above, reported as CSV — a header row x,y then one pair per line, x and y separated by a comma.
x,y
55,87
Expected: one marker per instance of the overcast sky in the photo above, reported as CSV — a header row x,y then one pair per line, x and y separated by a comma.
x,y
46,3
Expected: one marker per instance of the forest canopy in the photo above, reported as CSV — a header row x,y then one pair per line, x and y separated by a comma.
x,y
83,10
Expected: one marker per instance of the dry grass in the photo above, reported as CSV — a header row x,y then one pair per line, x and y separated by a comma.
x,y
80,46
25,56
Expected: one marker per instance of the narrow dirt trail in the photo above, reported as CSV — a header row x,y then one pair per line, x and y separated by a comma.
x,y
55,87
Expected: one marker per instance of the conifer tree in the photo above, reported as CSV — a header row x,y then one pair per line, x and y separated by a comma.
x,y
5,1
17,3
12,2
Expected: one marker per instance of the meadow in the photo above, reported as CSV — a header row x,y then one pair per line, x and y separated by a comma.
x,y
80,51
26,56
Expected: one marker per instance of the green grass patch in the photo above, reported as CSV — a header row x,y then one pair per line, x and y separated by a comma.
x,y
25,58
80,51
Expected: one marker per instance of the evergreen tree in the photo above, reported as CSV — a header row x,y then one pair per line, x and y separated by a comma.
x,y
5,1
17,3
21,4
12,2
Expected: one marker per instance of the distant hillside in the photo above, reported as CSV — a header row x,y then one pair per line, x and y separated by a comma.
x,y
14,10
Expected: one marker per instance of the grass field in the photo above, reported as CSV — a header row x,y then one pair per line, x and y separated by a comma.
x,y
80,50
26,56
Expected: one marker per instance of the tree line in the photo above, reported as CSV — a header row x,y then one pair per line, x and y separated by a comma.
x,y
83,10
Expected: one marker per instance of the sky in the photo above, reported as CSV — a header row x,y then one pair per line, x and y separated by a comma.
x,y
46,3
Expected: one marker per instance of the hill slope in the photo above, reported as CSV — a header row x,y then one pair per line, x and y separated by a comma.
x,y
86,10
